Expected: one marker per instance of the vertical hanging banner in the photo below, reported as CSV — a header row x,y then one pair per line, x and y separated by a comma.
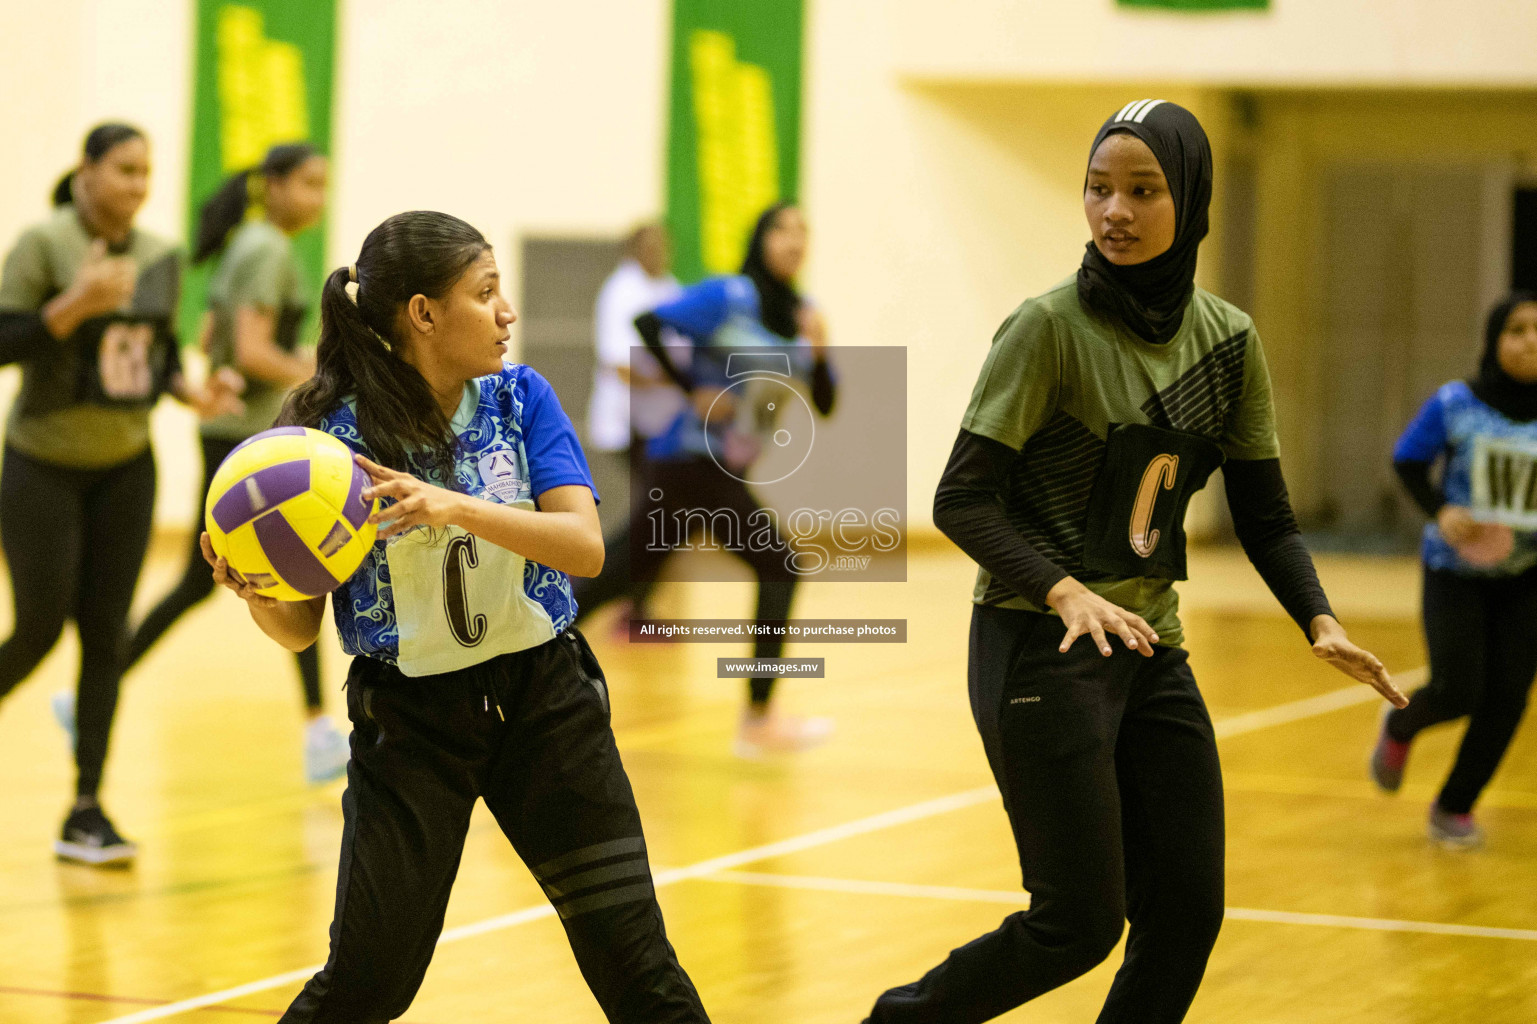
x,y
262,75
734,123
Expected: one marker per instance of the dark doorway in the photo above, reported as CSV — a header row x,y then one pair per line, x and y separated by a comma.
x,y
1523,241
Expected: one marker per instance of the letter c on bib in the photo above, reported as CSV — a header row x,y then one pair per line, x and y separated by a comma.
x,y
1159,475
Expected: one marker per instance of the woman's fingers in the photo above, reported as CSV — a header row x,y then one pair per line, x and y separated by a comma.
x,y
1141,626
387,489
1121,628
206,543
375,470
1074,631
394,511
1097,631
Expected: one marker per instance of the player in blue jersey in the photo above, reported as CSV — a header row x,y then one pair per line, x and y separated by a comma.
x,y
697,469
1480,565
468,679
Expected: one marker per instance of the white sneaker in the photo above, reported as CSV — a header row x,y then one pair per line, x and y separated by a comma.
x,y
763,735
63,704
325,751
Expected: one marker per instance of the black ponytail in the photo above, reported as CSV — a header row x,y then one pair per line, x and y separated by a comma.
x,y
100,141
416,253
223,211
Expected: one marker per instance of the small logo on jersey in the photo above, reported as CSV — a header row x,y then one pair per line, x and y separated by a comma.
x,y
499,473
1159,475
1025,700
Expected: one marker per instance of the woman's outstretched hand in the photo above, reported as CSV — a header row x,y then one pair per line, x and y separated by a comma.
x,y
1085,612
1332,645
417,503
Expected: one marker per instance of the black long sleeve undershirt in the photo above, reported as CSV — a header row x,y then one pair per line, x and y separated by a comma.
x,y
968,509
1415,477
824,389
22,336
1267,529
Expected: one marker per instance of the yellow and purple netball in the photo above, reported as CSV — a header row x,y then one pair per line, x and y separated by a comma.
x,y
286,510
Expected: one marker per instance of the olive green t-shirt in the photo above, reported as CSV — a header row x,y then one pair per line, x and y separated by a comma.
x,y
258,270
1075,393
86,403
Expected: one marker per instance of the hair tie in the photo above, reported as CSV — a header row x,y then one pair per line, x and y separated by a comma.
x,y
352,272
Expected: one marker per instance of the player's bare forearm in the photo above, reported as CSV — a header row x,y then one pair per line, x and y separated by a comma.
x,y
561,537
293,624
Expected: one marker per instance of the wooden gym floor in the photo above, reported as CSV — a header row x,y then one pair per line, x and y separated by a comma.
x,y
795,890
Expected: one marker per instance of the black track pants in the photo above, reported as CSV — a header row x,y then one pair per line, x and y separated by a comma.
x,y
1108,770
75,540
1482,661
423,750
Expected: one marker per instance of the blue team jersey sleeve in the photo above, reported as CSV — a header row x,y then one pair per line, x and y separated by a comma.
x,y
1424,439
701,310
555,457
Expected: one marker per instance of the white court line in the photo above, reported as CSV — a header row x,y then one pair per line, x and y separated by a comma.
x,y
1235,726
948,892
1311,707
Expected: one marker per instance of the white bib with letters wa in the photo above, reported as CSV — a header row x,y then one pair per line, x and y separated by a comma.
x,y
1505,481
459,599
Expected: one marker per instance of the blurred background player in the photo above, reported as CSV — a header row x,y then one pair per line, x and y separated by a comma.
x,y
758,307
632,399
257,299
467,680
87,306
1480,574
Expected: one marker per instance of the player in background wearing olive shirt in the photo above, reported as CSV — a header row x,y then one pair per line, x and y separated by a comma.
x,y
1103,405
87,306
257,299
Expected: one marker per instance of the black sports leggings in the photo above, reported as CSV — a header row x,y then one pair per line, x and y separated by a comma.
x,y
1482,660
197,583
694,484
1108,770
75,540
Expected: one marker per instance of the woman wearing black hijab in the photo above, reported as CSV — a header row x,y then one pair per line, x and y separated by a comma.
x,y
1102,406
1480,566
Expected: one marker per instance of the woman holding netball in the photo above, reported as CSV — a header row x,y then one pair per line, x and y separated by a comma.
x,y
1480,565
87,306
468,680
1102,406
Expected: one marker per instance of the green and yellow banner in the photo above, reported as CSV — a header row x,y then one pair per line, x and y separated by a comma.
x,y
262,75
733,125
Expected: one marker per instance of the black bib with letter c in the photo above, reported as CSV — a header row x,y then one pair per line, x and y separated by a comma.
x,y
1136,516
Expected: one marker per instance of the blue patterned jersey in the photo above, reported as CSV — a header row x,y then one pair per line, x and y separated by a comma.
x,y
437,600
722,313
1489,465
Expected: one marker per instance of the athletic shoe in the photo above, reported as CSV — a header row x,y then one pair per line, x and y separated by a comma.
x,y
325,752
1388,759
762,735
63,704
1454,831
89,838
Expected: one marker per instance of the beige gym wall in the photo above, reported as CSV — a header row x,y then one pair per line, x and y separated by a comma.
x,y
944,142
